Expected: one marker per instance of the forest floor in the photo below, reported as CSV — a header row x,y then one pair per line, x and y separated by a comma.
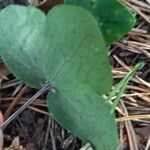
x,y
34,129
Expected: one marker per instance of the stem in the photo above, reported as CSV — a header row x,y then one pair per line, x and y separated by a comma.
x,y
45,88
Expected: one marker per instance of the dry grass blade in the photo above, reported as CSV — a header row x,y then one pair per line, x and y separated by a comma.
x,y
15,101
1,133
139,3
138,11
133,144
38,110
1,139
133,117
86,147
148,144
148,1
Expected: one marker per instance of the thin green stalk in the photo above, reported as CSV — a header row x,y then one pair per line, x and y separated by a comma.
x,y
120,88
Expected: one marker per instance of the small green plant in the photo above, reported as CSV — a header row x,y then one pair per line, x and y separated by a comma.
x,y
120,87
67,47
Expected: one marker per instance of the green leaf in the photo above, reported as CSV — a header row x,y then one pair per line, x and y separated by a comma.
x,y
22,42
114,18
77,53
66,48
76,104
28,46
85,113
